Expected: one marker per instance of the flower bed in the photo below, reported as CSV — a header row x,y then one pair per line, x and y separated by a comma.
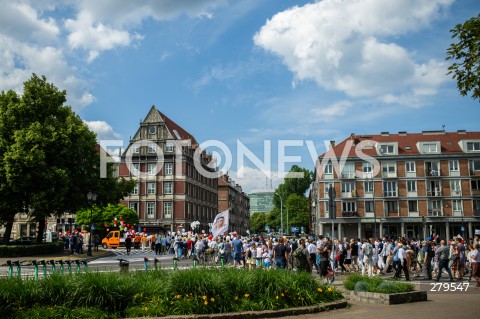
x,y
160,293
378,290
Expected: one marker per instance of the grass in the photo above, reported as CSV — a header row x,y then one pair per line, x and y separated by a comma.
x,y
374,284
160,293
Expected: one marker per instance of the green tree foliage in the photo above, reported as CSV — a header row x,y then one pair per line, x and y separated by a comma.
x,y
105,216
297,208
257,223
292,192
48,159
465,55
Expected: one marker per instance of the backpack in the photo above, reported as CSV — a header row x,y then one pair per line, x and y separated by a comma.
x,y
368,250
300,259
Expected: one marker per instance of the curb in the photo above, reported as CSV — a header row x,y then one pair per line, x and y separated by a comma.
x,y
339,304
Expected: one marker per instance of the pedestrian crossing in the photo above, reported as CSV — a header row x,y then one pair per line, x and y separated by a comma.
x,y
122,251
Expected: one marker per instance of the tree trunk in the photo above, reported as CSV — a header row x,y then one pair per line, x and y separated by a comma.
x,y
41,229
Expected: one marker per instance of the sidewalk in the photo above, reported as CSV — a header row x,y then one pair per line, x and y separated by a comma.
x,y
438,306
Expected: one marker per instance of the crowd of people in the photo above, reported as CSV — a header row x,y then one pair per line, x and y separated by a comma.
x,y
457,258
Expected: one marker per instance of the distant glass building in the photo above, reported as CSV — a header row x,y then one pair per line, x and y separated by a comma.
x,y
261,200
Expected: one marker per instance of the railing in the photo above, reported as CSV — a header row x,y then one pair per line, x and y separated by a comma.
x,y
349,214
392,214
434,193
435,212
474,172
432,173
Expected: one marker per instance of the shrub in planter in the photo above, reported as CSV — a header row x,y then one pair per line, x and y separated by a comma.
x,y
375,284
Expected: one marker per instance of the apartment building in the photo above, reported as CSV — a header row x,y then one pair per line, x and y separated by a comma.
x,y
405,184
232,198
174,188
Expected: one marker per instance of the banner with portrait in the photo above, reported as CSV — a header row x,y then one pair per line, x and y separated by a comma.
x,y
220,223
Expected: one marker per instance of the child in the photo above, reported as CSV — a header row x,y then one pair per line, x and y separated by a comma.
x,y
266,260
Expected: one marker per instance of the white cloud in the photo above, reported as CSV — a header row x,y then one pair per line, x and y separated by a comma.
x,y
254,178
103,130
349,46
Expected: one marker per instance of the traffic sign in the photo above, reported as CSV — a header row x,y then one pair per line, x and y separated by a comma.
x,y
294,229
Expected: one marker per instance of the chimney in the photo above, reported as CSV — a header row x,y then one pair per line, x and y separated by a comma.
x,y
332,143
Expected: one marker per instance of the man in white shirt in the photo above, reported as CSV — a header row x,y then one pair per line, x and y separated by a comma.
x,y
312,250
402,256
367,252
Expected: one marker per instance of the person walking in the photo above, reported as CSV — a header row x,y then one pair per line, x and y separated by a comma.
x,y
475,264
280,254
442,254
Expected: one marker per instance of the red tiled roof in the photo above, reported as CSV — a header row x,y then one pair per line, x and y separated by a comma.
x,y
171,126
449,142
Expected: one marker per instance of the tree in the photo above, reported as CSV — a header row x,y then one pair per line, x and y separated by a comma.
x,y
99,216
49,159
466,51
298,214
257,223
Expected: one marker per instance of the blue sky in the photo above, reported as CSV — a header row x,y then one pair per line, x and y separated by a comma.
x,y
250,70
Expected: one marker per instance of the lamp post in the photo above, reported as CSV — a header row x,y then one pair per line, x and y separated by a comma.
x,y
370,179
281,211
459,193
91,197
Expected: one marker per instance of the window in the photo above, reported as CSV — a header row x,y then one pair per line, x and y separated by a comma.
x,y
389,189
475,165
475,184
152,148
348,171
329,168
453,165
327,187
150,210
411,186
150,188
476,205
133,206
410,167
367,167
134,169
167,210
392,206
412,206
348,187
368,187
387,149
135,189
169,147
151,169
369,207
389,168
429,148
167,188
349,207
473,146
168,168
136,149
457,205
455,186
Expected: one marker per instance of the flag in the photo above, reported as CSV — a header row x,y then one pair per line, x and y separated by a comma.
x,y
220,223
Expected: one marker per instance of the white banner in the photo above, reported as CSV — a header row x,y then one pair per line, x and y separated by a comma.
x,y
220,223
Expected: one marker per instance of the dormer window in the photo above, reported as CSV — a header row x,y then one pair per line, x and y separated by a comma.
x,y
473,146
430,148
387,149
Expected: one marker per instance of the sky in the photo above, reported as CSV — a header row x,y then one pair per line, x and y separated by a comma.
x,y
245,75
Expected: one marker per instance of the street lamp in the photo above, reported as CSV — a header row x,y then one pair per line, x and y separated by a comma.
x,y
459,192
91,197
370,179
281,211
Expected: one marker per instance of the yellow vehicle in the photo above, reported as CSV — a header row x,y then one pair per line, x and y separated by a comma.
x,y
113,239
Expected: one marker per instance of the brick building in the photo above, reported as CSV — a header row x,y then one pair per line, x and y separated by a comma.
x,y
426,183
232,198
172,191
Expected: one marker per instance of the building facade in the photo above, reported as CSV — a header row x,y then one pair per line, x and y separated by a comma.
x,y
232,198
174,188
407,184
261,200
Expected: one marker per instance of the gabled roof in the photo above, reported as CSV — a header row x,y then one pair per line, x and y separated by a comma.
x,y
175,131
407,142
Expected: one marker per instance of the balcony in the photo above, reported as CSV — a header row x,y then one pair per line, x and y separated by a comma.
x,y
432,173
476,212
475,191
349,214
350,194
435,212
389,174
348,175
474,172
392,214
434,193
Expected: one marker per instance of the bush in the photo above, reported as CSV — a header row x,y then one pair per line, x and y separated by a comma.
x,y
374,284
160,293
7,251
